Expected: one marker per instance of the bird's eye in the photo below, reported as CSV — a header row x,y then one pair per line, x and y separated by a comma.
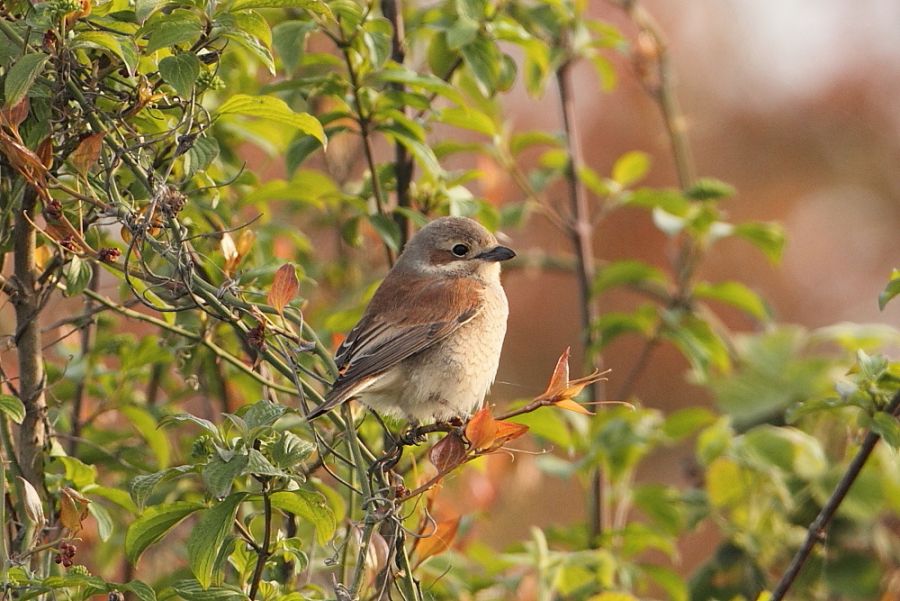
x,y
460,250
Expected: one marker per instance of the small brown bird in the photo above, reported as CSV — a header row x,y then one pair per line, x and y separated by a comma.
x,y
428,345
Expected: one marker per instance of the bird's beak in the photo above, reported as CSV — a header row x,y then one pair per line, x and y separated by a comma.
x,y
498,253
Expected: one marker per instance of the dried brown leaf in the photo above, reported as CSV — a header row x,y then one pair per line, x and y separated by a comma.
x,y
439,541
284,287
88,151
73,509
449,452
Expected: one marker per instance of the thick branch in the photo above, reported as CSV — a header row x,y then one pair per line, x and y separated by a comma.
x,y
33,432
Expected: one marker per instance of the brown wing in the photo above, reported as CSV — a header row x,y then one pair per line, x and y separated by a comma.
x,y
406,316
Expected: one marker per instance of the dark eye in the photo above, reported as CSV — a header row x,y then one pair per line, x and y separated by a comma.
x,y
460,250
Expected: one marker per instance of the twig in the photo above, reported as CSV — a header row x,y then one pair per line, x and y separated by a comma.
x,y
262,551
86,344
817,529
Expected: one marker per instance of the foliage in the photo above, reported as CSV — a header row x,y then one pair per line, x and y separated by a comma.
x,y
122,135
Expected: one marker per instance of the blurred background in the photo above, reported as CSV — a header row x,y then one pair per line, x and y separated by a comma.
x,y
795,104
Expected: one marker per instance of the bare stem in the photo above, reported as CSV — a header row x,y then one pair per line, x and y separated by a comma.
x,y
87,335
263,551
403,162
817,529
581,232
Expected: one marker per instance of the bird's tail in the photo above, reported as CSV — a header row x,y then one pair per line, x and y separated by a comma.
x,y
336,397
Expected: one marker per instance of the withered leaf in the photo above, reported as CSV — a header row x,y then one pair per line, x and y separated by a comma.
x,y
438,542
449,452
284,287
73,509
561,391
88,151
34,509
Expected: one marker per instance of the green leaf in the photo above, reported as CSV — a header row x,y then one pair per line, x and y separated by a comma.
x,y
219,475
707,188
146,425
140,589
12,407
104,520
273,109
613,324
685,422
179,28
468,118
178,418
387,229
153,525
317,6
78,274
143,9
788,449
200,155
425,81
259,465
483,59
263,413
289,40
423,153
888,427
181,72
121,46
310,505
735,294
767,237
628,273
190,590
77,472
890,291
255,46
697,341
208,536
21,76
290,450
141,487
630,168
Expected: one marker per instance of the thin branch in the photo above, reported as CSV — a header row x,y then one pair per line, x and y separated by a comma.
x,y
581,233
264,550
403,162
817,529
87,335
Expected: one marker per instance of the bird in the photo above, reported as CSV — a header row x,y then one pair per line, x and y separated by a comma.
x,y
428,344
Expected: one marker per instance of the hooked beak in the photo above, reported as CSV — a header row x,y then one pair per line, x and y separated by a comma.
x,y
498,253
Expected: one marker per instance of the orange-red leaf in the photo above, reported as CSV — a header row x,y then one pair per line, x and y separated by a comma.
x,y
447,453
571,405
88,151
438,542
481,430
284,287
559,381
507,431
73,509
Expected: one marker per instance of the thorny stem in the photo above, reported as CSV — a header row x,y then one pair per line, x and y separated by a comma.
x,y
817,529
581,231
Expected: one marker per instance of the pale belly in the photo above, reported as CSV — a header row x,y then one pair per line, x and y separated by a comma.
x,y
449,379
